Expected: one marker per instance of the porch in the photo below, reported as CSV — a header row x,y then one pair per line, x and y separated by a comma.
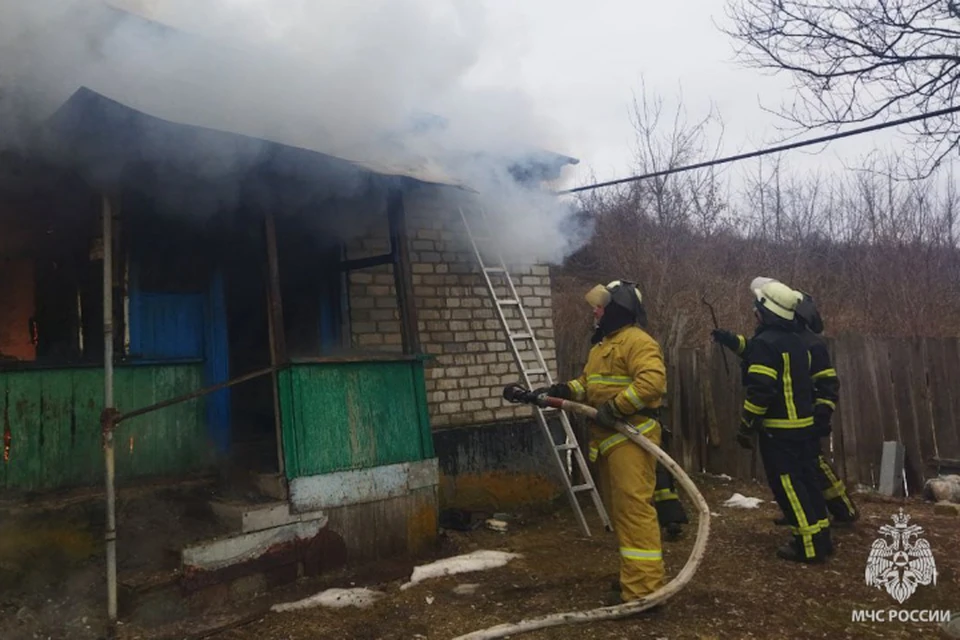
x,y
227,345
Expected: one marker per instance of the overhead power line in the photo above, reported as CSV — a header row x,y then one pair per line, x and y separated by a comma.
x,y
763,152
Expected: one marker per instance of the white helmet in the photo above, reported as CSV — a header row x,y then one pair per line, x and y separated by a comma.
x,y
776,297
757,283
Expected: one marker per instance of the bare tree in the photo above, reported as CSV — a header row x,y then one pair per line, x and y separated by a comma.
x,y
857,60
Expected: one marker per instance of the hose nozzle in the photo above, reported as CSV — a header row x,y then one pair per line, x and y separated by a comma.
x,y
517,394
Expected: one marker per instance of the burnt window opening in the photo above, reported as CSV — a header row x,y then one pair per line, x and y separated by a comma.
x,y
50,282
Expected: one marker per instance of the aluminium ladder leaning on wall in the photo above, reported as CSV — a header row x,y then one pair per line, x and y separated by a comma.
x,y
495,268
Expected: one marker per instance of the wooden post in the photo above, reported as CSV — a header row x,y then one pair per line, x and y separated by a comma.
x,y
278,344
399,249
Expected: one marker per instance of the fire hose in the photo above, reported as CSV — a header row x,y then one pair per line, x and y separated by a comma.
x,y
517,394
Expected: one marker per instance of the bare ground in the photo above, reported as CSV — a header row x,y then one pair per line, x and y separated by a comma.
x,y
741,589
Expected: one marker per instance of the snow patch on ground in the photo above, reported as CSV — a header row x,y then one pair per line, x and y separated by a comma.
x,y
741,501
476,561
466,589
333,598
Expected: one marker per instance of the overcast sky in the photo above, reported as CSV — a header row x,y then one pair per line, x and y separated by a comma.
x,y
580,62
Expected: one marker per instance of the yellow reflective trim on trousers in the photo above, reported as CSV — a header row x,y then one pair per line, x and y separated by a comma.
x,y
829,403
775,423
608,380
752,408
826,373
742,343
837,488
788,389
612,441
794,501
578,391
665,494
649,555
833,492
646,426
846,501
618,438
762,370
633,397
827,471
811,530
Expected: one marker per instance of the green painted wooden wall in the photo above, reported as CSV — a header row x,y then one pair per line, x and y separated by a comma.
x,y
353,415
54,418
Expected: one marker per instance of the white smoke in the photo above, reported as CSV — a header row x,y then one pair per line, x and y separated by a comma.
x,y
353,79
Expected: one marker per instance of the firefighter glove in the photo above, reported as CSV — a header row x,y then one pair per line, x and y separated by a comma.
x,y
558,390
607,415
726,338
821,422
745,435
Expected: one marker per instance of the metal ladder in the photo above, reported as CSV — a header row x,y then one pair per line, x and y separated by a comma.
x,y
569,447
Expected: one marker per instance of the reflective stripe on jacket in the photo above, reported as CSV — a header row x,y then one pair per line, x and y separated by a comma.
x,y
826,383
627,367
779,386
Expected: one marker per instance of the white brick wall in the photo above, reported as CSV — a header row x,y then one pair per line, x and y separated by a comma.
x,y
457,320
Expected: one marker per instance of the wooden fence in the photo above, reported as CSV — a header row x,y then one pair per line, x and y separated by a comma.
x,y
906,390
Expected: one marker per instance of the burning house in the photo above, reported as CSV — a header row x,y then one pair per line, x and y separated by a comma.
x,y
316,323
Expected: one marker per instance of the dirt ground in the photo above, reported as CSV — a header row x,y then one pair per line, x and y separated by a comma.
x,y
741,589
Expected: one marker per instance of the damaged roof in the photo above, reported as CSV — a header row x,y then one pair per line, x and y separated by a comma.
x,y
111,121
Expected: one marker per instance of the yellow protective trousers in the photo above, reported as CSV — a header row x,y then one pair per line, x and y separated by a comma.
x,y
627,477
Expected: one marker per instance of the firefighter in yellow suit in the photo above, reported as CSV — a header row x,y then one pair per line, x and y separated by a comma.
x,y
624,379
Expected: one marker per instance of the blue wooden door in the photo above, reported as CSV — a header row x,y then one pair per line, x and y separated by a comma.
x,y
186,326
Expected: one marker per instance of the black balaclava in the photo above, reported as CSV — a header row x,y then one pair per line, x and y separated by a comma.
x,y
614,317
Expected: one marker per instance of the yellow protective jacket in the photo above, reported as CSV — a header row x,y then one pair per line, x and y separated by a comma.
x,y
626,366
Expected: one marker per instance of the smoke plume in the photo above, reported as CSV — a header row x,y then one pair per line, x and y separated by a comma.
x,y
386,82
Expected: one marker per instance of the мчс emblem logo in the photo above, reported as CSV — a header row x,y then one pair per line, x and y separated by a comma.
x,y
900,560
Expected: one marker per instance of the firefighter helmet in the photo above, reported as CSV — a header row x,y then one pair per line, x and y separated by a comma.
x,y
623,293
757,283
777,298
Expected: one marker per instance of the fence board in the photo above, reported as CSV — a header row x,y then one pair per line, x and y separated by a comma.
x,y
878,367
715,398
922,402
692,423
948,437
834,444
849,413
906,399
940,390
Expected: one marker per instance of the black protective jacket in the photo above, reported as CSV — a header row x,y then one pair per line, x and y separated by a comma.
x,y
826,383
779,393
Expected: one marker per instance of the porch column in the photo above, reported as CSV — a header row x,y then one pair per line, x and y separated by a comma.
x,y
278,343
399,245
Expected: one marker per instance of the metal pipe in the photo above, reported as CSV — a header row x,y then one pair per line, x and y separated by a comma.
x,y
108,453
197,394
